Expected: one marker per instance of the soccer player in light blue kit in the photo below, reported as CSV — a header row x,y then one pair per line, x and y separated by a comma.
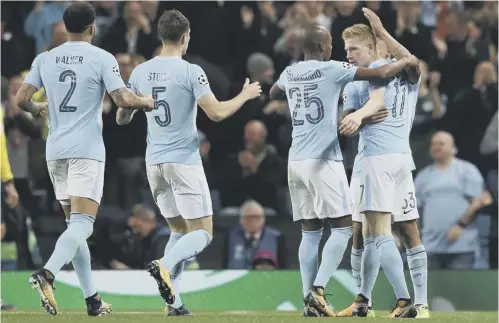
x,y
174,169
75,76
316,176
385,189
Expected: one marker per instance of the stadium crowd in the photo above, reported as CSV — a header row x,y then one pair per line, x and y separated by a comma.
x,y
245,157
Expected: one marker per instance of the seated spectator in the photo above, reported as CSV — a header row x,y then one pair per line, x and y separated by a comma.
x,y
264,260
256,172
252,237
449,194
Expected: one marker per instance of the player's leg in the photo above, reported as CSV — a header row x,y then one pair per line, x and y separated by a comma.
x,y
405,216
82,264
178,228
303,210
81,180
377,205
370,265
192,198
331,201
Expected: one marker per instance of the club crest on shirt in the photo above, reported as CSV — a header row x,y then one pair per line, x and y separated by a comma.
x,y
202,79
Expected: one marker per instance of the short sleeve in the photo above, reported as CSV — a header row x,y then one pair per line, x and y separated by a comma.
x,y
111,73
351,98
34,76
374,85
281,82
341,72
133,82
473,183
199,82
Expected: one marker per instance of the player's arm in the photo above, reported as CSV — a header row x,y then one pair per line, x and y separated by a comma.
x,y
125,116
32,83
276,92
218,111
385,71
352,122
116,87
24,101
393,46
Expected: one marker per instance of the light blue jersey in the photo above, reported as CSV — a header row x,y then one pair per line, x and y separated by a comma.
x,y
313,89
171,127
75,76
392,135
355,95
443,197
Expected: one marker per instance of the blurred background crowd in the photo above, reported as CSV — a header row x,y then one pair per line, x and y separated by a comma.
x,y
245,157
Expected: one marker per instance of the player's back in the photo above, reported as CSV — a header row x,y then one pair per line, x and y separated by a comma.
x,y
171,126
391,135
313,89
72,75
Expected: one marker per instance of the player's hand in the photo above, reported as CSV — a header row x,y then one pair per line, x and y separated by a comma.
x,y
454,233
350,124
375,22
378,117
12,197
151,103
252,90
40,110
412,60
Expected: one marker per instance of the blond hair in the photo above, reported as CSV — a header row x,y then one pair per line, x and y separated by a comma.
x,y
359,31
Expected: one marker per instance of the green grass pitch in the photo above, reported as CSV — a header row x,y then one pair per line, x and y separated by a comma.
x,y
226,317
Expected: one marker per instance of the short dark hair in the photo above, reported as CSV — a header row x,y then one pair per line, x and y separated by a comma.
x,y
172,25
312,37
78,16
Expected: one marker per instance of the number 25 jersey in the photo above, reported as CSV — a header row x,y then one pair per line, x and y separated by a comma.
x,y
75,76
313,89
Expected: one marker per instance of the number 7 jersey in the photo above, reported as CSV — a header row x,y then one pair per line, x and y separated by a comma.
x,y
176,85
313,89
75,76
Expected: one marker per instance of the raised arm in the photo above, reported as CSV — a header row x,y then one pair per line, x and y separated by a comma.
x,y
385,71
218,111
393,46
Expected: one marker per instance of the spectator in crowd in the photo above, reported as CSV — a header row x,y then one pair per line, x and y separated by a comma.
x,y
210,171
106,12
15,54
473,108
131,34
59,35
252,237
40,21
125,146
257,172
430,107
460,53
449,194
265,260
415,36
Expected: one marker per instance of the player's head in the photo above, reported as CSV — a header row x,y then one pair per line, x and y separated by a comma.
x,y
174,29
79,19
360,45
317,42
442,146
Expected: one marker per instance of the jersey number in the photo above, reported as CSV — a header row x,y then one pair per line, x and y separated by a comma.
x,y
64,107
309,100
397,85
163,104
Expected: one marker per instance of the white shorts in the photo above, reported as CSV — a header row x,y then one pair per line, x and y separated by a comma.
x,y
387,186
77,177
355,194
180,190
318,189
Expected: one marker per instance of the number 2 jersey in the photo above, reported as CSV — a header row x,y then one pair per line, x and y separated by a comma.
x,y
176,85
75,76
313,89
392,135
